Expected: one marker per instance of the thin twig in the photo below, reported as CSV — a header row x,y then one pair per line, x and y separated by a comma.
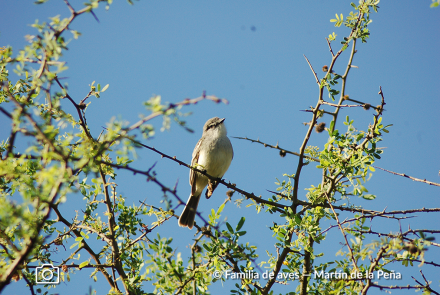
x,y
313,71
276,147
343,233
330,47
410,177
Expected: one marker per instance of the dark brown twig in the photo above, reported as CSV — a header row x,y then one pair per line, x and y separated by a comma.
x,y
410,177
276,147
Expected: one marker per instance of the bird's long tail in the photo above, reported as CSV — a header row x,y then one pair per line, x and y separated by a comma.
x,y
189,213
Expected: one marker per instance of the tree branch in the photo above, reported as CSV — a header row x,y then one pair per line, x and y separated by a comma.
x,y
410,177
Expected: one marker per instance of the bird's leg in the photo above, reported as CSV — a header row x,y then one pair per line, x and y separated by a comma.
x,y
212,185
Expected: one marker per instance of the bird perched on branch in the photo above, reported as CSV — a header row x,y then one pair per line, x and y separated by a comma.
x,y
213,154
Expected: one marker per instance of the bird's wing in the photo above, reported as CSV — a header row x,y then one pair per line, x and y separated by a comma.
x,y
232,149
193,174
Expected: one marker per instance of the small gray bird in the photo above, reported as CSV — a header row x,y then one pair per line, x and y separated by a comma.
x,y
213,154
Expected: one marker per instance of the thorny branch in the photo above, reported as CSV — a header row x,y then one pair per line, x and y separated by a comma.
x,y
410,177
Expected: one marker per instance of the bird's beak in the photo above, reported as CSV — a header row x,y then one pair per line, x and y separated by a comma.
x,y
222,120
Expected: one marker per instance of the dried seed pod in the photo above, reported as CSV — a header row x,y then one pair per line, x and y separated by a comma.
x,y
320,127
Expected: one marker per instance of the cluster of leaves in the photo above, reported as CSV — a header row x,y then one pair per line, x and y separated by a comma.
x,y
64,158
346,161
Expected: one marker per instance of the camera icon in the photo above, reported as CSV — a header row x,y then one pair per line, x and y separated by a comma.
x,y
47,274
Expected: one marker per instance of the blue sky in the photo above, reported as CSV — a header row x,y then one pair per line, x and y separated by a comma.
x,y
251,53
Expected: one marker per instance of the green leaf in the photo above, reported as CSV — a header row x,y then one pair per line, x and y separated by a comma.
x,y
220,209
240,224
332,125
369,197
231,230
85,263
297,219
